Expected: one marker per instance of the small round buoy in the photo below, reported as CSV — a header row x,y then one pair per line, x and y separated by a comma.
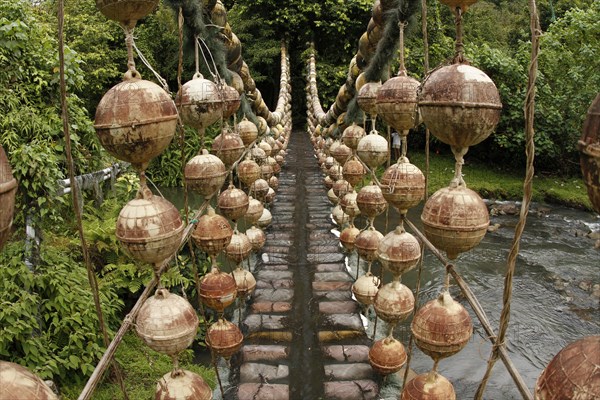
x,y
248,131
339,216
259,189
255,210
370,201
239,248
373,150
352,135
17,382
265,219
397,102
245,282
348,203
367,243
233,203
348,236
365,288
217,290
205,174
353,171
394,302
589,147
126,11
399,251
429,386
248,171
367,97
228,146
182,385
201,104
224,338
212,233
387,356
256,237
403,185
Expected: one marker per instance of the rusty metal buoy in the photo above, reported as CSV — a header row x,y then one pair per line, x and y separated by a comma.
x,y
248,171
573,373
228,146
365,288
265,219
394,302
258,154
224,338
367,97
245,282
332,197
340,188
429,386
212,233
266,147
352,135
397,102
373,150
255,210
399,251
274,183
348,236
256,237
460,104
328,182
231,100
367,243
335,172
589,147
182,385
270,197
403,185
8,190
217,290
149,228
17,382
370,201
455,219
205,174
442,327
126,11
341,153
239,248
167,323
201,104
339,216
348,203
135,121
387,356
462,4
233,203
259,189
353,171
248,131
266,170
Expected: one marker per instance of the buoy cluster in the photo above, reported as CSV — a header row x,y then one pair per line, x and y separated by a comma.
x,y
135,121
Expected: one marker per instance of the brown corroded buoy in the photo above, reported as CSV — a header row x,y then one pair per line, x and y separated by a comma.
x,y
387,356
259,189
266,147
455,219
332,197
255,210
403,185
135,121
397,102
256,237
248,171
460,104
348,236
370,201
394,302
233,203
353,171
231,100
270,197
340,188
365,288
149,228
367,242
258,154
228,146
17,382
339,216
352,135
274,183
399,251
8,190
224,338
217,290
348,204
245,282
442,327
265,219
373,150
167,323
182,385
341,153
367,97
573,373
248,131
205,174
589,147
126,11
429,386
335,172
239,248
266,171
212,233
201,104
462,4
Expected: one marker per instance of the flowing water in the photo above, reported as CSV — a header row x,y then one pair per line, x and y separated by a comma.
x,y
553,302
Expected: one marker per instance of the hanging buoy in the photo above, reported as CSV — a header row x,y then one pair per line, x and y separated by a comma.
x,y
205,174
233,203
442,327
394,302
403,185
348,236
149,228
231,100
340,188
370,201
255,210
429,386
127,12
239,248
256,237
259,189
331,196
266,171
248,171
589,147
266,147
573,373
274,183
258,154
248,131
373,150
387,356
367,242
270,197
399,251
339,216
8,190
335,172
167,323
17,382
265,219
217,290
341,153
365,288
460,104
182,385
228,146
455,219
367,97
348,204
224,338
352,135
397,102
244,281
201,104
135,121
212,233
462,4
353,171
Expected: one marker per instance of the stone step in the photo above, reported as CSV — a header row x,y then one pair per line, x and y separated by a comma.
x,y
337,307
337,295
333,277
263,391
349,322
278,307
364,389
324,258
348,371
265,322
346,353
336,267
259,372
274,267
274,353
269,275
331,285
339,336
275,284
273,295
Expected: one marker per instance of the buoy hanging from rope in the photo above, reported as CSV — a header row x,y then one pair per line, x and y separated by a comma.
x,y
205,174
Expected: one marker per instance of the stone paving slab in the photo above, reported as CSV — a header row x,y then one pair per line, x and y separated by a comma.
x,y
348,371
346,353
361,389
271,307
263,391
337,267
275,284
332,296
331,285
324,258
350,322
333,276
257,352
335,307
270,275
265,322
274,295
259,372
274,267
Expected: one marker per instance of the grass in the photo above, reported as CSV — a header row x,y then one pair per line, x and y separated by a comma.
x,y
142,367
494,183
